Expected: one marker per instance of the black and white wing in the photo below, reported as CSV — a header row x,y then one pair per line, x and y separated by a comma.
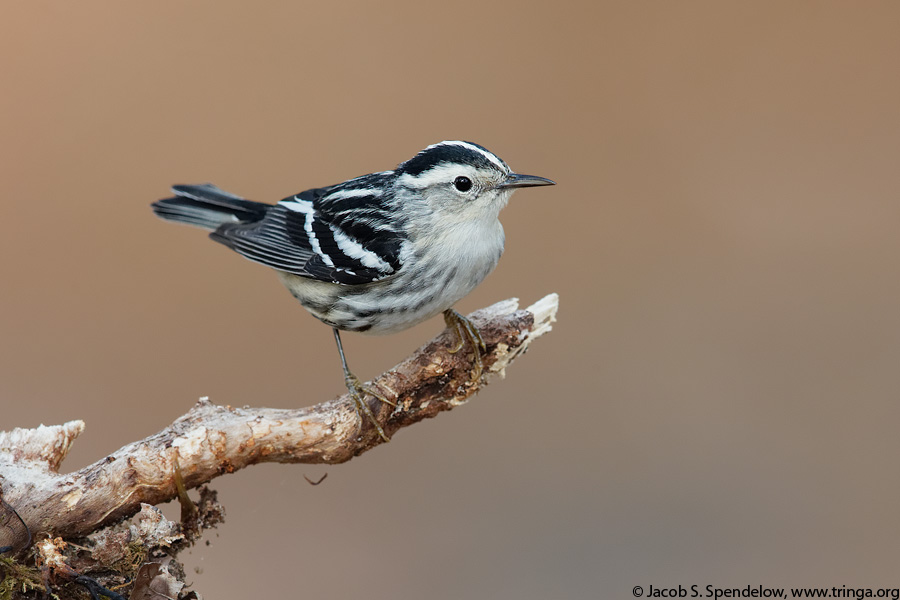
x,y
341,234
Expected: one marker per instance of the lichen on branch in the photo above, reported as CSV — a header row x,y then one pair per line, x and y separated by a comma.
x,y
212,440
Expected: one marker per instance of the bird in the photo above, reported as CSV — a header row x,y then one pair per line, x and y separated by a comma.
x,y
377,253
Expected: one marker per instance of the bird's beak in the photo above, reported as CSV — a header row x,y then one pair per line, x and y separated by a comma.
x,y
516,180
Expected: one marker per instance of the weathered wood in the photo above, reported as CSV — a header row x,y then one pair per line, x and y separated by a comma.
x,y
211,440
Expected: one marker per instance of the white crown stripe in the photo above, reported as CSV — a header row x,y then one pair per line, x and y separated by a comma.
x,y
488,155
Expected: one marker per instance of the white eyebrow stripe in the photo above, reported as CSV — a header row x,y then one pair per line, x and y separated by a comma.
x,y
442,173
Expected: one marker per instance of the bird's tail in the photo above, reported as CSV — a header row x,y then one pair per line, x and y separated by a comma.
x,y
208,207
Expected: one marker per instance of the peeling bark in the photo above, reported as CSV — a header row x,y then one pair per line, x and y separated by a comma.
x,y
211,440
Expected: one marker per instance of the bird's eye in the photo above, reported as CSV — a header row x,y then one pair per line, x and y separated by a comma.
x,y
463,184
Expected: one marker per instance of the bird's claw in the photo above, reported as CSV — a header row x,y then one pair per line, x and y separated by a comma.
x,y
358,392
466,332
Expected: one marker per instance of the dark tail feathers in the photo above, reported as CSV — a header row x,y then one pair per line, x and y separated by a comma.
x,y
208,207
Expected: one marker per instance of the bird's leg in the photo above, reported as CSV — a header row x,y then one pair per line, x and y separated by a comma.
x,y
358,391
466,332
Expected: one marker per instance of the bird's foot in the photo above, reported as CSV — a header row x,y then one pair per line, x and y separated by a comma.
x,y
466,332
358,391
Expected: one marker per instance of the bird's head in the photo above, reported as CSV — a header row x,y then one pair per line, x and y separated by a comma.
x,y
462,179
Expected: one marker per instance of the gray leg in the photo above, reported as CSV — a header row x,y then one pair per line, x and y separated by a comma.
x,y
466,332
358,391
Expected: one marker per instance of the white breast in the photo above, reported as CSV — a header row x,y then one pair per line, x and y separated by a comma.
x,y
433,278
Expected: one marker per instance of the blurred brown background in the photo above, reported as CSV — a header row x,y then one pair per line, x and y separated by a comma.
x,y
718,403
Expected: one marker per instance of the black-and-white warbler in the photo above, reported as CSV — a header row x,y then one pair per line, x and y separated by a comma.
x,y
378,253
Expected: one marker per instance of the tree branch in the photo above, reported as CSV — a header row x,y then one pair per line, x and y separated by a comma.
x,y
211,440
